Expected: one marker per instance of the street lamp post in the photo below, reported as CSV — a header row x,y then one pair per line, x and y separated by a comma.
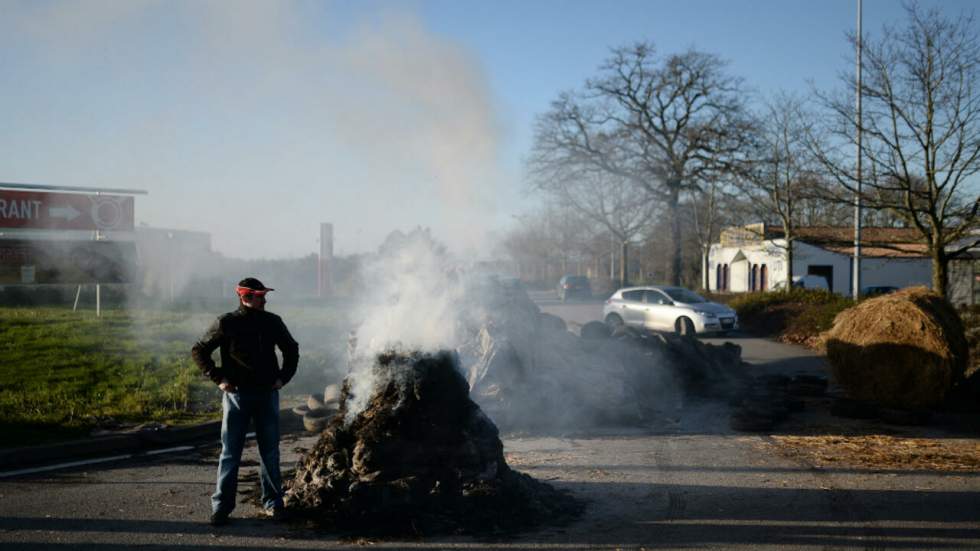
x,y
857,199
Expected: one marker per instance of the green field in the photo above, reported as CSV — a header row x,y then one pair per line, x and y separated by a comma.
x,y
64,374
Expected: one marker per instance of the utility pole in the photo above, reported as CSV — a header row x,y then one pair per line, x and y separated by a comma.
x,y
857,199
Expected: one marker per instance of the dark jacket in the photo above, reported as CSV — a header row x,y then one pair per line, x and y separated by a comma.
x,y
247,338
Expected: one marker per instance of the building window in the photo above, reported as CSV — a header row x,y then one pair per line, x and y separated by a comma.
x,y
754,278
718,280
724,286
763,278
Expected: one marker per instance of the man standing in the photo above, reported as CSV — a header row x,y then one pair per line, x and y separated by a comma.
x,y
250,378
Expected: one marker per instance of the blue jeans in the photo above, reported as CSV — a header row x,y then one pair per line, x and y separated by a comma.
x,y
240,407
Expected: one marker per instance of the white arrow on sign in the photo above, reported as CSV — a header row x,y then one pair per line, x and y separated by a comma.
x,y
69,213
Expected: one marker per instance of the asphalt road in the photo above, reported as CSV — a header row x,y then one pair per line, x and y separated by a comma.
x,y
686,481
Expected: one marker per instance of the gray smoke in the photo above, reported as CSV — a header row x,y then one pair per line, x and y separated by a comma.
x,y
374,124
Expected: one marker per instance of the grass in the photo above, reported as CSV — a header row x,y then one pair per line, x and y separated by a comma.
x,y
63,374
799,315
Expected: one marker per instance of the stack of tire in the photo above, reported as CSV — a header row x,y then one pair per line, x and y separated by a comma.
x,y
766,401
319,408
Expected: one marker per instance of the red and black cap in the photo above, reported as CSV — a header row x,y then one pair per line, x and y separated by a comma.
x,y
252,286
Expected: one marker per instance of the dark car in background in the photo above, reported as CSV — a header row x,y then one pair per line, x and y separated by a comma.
x,y
573,286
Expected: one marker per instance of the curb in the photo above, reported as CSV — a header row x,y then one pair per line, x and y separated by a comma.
x,y
117,444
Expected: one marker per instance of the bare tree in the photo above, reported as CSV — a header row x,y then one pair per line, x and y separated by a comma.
x,y
707,219
921,128
605,199
547,241
781,176
665,124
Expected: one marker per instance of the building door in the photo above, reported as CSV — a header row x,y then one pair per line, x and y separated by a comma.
x,y
826,271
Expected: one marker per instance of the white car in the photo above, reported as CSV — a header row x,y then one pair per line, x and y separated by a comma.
x,y
663,308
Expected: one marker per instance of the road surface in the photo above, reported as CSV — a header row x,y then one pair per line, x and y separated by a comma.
x,y
684,482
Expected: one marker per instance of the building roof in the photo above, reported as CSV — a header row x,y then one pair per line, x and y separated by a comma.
x,y
875,242
835,234
878,242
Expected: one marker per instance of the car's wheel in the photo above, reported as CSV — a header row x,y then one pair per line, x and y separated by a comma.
x,y
614,321
684,326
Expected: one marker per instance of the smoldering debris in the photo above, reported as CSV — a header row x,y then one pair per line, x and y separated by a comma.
x,y
421,458
529,373
524,367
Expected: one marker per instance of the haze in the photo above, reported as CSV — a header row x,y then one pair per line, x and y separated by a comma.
x,y
255,121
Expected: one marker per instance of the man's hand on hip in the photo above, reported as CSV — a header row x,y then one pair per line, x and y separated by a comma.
x,y
277,385
225,386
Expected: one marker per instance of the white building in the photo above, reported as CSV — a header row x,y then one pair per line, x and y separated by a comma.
x,y
964,273
753,258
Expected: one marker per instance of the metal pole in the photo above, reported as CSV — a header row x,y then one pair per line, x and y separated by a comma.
x,y
170,264
612,257
98,300
857,199
78,293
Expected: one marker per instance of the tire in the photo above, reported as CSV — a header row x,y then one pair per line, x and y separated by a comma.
x,y
316,420
315,424
684,326
315,401
331,394
551,322
614,321
595,330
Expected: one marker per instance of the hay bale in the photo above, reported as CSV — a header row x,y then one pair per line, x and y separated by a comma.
x,y
903,350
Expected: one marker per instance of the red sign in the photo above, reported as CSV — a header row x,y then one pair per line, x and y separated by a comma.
x,y
65,211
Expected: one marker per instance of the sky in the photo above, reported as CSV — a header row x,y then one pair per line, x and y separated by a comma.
x,y
255,121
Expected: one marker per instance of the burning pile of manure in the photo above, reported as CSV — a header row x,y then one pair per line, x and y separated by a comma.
x,y
421,458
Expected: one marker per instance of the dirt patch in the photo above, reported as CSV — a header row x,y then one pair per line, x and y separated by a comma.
x,y
878,452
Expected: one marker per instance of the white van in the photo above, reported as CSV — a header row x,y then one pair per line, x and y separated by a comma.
x,y
809,281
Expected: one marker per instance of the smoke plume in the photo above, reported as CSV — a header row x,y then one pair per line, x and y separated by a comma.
x,y
259,120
